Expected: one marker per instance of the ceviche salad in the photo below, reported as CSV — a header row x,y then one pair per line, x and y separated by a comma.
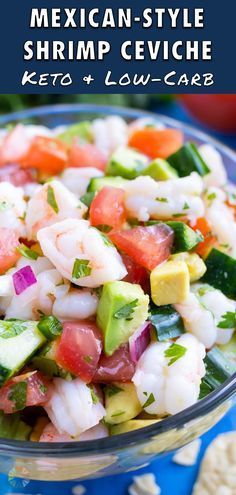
x,y
117,277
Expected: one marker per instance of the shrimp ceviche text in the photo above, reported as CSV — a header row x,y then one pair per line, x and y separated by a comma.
x,y
117,277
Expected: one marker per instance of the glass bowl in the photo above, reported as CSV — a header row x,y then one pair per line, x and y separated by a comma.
x,y
129,451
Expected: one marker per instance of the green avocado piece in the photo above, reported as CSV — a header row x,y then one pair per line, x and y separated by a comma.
x,y
123,307
160,170
11,426
82,130
131,425
97,183
121,403
18,341
127,163
45,361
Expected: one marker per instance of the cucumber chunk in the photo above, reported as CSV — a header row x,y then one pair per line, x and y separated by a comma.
x,y
167,322
82,130
18,341
11,426
127,163
218,369
188,159
221,272
185,238
160,170
97,183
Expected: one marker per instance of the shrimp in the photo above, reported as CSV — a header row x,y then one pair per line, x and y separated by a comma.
x,y
50,434
12,207
222,221
218,304
71,408
109,133
198,320
217,176
147,198
75,305
173,387
77,179
72,242
44,210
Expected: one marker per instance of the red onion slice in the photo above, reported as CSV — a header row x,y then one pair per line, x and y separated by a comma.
x,y
23,278
139,341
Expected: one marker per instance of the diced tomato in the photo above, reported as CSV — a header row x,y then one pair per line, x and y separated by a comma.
x,y
86,155
13,397
210,240
118,367
147,246
46,154
156,143
79,349
16,175
137,274
8,253
15,145
108,208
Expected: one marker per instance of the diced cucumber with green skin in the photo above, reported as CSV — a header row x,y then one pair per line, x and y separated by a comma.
x,y
185,238
82,130
127,163
160,170
123,405
221,272
188,159
123,307
45,361
218,369
19,340
11,426
97,183
166,321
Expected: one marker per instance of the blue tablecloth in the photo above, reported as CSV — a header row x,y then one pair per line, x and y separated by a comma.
x,y
173,479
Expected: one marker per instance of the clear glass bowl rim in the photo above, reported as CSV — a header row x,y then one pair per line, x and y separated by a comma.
x,y
110,444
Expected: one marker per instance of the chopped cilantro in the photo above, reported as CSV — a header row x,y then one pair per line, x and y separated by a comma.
x,y
149,400
211,196
10,329
228,320
94,396
87,198
81,268
88,359
17,394
113,390
162,200
42,388
186,206
104,228
175,352
27,252
51,199
126,311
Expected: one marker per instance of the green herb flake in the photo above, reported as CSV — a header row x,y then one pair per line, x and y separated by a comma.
x,y
88,359
94,396
105,239
81,268
104,228
149,400
5,206
126,311
27,252
162,200
17,394
10,329
42,388
175,352
228,320
87,198
186,206
51,199
118,413
113,390
211,196
178,215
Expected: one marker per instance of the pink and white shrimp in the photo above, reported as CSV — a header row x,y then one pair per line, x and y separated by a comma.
x,y
72,242
50,204
172,387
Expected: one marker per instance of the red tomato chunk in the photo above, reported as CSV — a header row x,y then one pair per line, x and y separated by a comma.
x,y
79,349
86,155
108,208
30,389
147,246
46,154
118,367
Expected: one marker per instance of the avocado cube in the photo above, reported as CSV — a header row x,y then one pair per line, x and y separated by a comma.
x,y
160,169
123,307
127,163
131,425
11,426
121,403
194,262
170,283
82,130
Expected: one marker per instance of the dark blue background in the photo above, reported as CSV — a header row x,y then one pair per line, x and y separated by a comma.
x,y
219,28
